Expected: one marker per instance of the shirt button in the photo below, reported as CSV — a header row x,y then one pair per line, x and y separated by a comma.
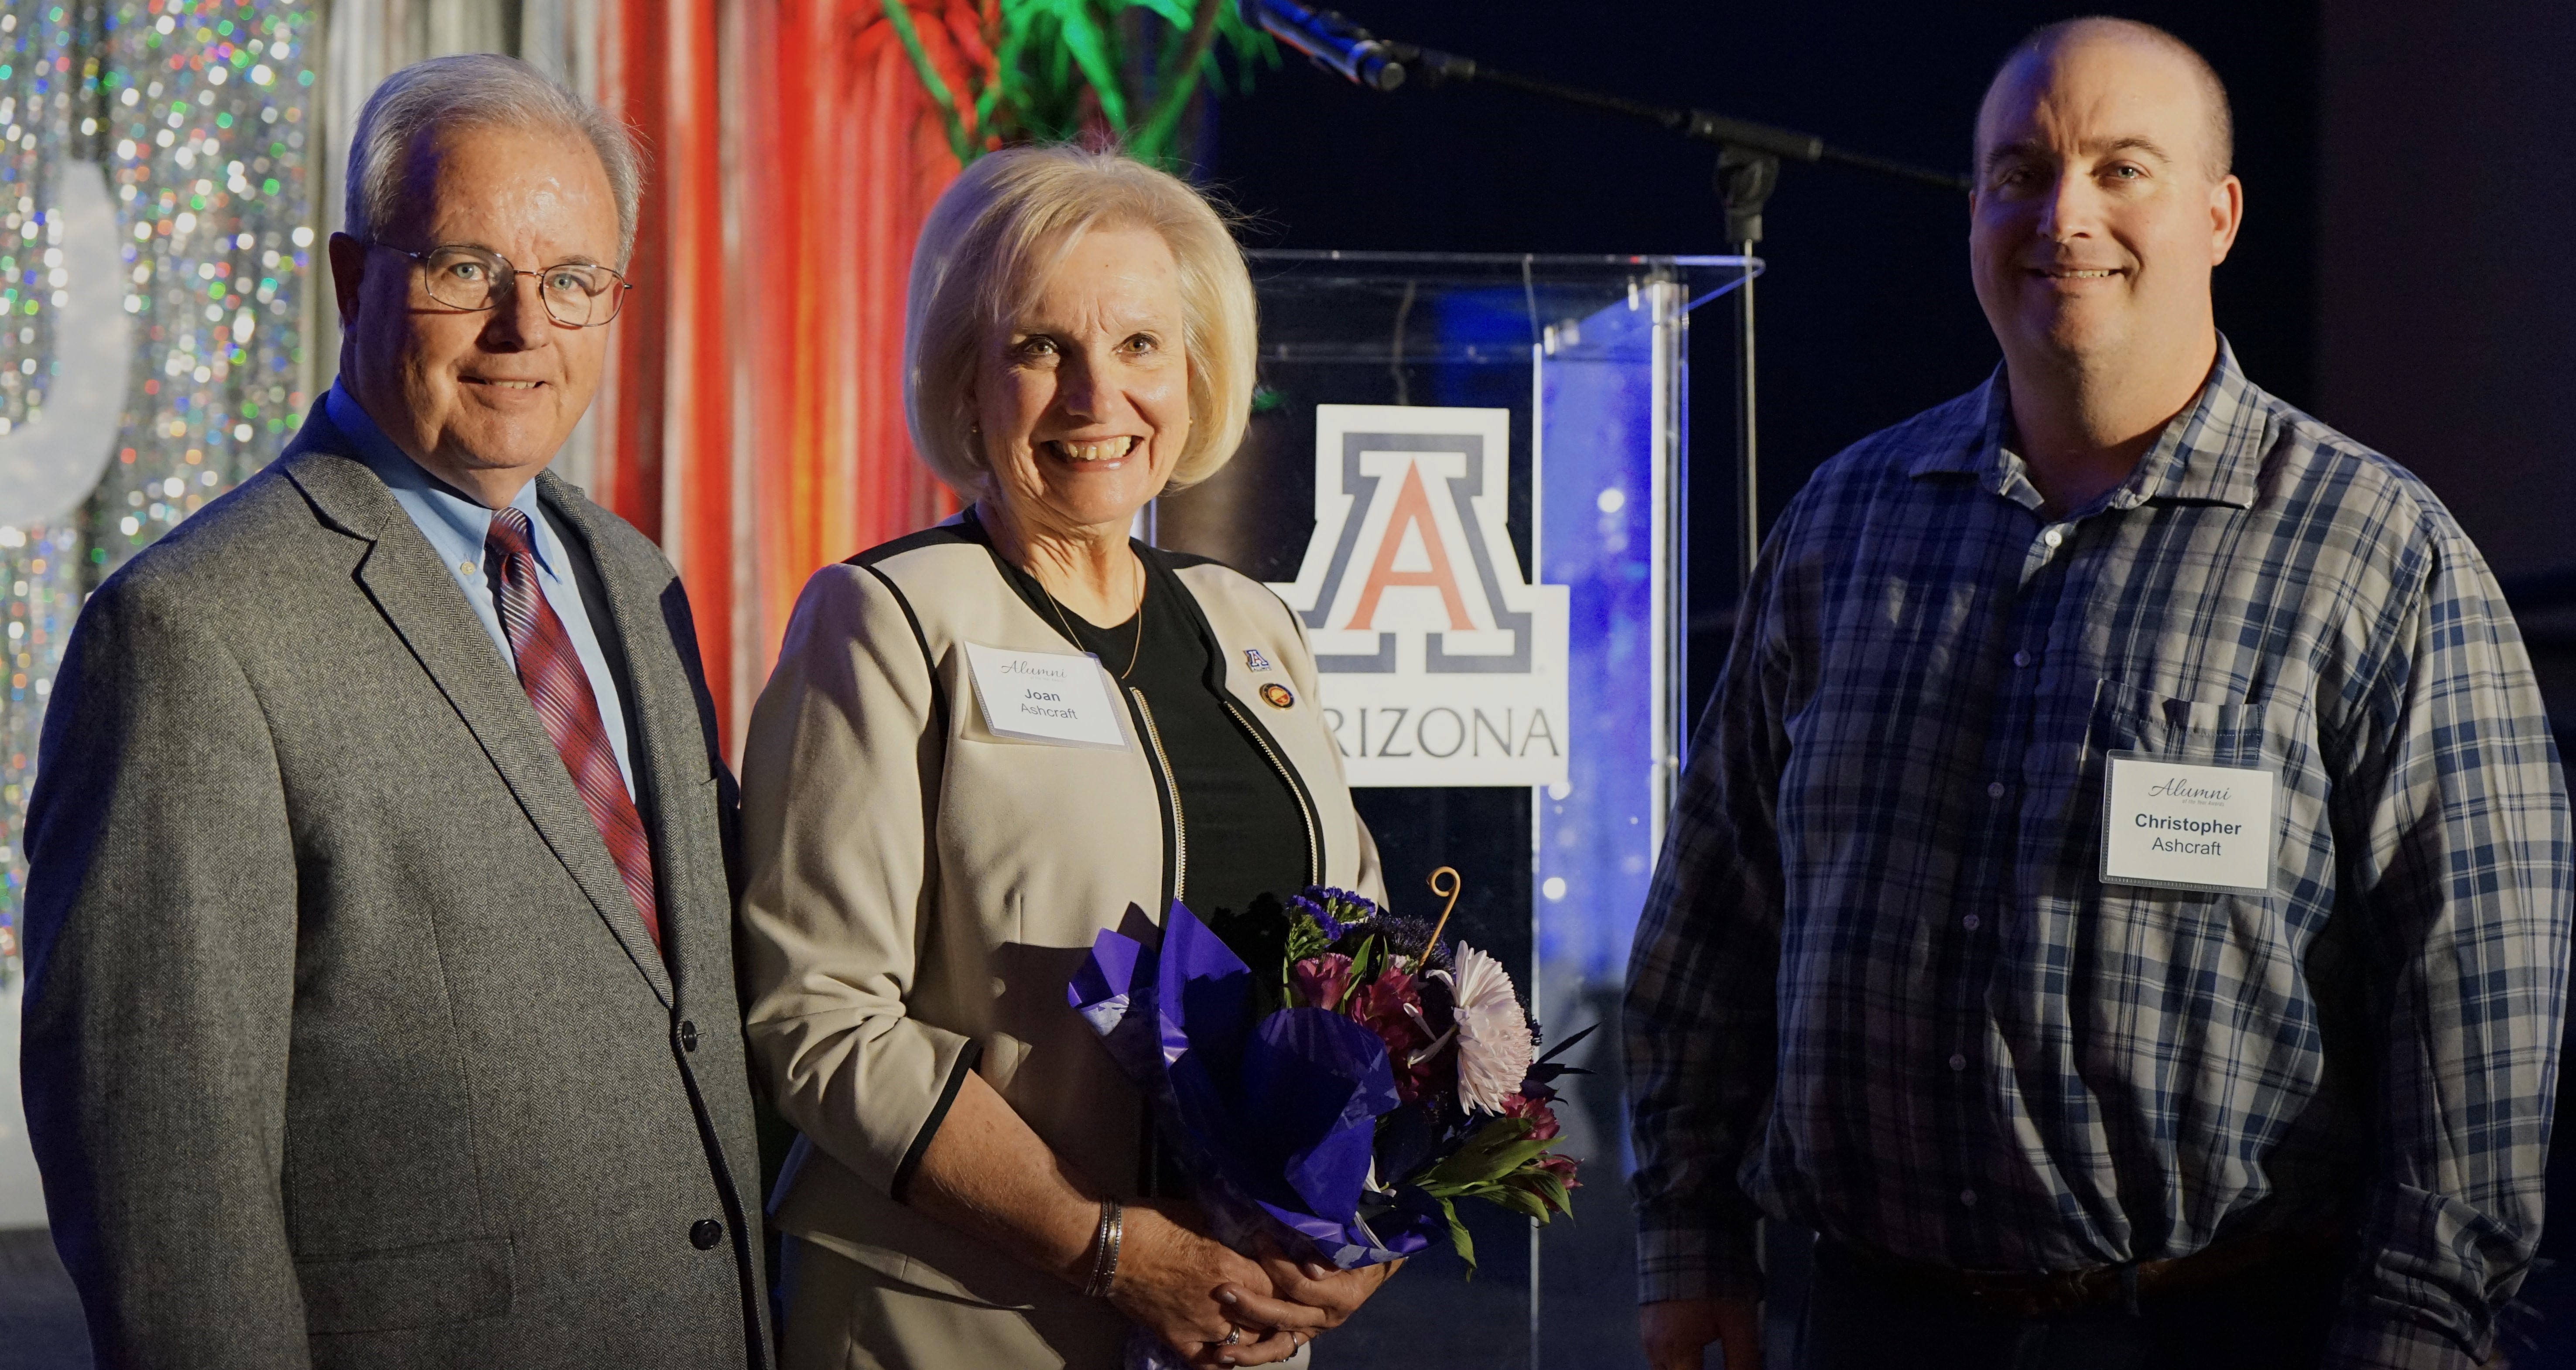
x,y
1969,922
1995,790
688,1036
466,567
705,1233
1968,1197
2052,537
1958,1063
2021,659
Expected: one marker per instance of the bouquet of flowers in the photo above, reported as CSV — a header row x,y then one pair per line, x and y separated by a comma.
x,y
1331,1077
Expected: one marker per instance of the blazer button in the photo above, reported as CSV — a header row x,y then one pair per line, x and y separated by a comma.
x,y
705,1233
688,1036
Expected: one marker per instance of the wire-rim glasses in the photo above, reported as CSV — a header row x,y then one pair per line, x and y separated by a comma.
x,y
577,294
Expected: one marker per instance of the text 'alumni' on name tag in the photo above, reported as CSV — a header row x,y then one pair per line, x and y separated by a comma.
x,y
1054,697
2188,827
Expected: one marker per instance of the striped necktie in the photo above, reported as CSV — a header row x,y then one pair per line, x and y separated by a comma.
x,y
551,672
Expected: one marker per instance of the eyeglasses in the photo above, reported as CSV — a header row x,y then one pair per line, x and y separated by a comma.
x,y
577,294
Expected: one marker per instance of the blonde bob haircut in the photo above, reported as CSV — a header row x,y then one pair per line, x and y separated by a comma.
x,y
989,245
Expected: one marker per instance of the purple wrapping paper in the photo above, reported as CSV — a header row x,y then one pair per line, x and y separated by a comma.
x,y
1273,1120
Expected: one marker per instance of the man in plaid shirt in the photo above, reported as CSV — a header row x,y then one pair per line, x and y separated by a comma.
x,y
1936,966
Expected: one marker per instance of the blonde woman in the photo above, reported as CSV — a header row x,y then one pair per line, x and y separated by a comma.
x,y
931,853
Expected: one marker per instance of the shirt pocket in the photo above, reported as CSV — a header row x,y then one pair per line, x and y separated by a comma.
x,y
2128,718
2275,734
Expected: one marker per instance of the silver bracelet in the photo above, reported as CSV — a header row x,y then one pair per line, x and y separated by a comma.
x,y
1104,1247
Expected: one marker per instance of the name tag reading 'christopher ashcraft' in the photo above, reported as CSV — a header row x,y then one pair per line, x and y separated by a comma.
x,y
2188,827
1056,697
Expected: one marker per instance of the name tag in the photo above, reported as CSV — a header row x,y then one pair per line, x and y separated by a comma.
x,y
2186,827
1045,697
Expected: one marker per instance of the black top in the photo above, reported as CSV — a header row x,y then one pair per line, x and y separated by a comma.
x,y
1244,834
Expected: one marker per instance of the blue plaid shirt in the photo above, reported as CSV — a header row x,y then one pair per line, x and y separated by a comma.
x,y
1881,991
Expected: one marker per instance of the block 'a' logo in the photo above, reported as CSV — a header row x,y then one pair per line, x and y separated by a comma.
x,y
1440,663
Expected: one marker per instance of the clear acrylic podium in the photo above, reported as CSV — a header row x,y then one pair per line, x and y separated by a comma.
x,y
1581,363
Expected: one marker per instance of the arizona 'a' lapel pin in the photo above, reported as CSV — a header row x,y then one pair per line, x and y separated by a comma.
x,y
1277,696
1253,660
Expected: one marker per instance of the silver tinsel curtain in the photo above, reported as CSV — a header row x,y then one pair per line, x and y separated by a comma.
x,y
169,172
153,256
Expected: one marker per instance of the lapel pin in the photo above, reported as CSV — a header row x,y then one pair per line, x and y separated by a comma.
x,y
1253,659
1277,696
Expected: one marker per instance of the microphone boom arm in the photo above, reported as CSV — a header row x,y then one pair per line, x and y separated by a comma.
x,y
1786,144
1748,167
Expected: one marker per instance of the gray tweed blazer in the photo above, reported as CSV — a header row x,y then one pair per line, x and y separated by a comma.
x,y
344,1046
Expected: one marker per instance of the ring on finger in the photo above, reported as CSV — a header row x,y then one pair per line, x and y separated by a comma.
x,y
1233,1334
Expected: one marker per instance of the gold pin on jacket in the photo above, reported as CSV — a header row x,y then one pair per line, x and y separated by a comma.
x,y
1277,696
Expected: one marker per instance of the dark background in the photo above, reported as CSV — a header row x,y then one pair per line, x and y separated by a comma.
x,y
2407,211
1866,311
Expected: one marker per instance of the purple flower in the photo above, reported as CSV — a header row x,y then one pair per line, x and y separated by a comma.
x,y
1333,930
1338,912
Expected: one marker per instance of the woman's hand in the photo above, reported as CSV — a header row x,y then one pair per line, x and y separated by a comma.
x,y
986,1174
1193,1292
1309,1284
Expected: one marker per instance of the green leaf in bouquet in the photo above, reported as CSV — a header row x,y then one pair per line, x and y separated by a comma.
x,y
1496,1150
1542,1186
1547,1188
1459,1241
1368,960
1519,1201
1306,938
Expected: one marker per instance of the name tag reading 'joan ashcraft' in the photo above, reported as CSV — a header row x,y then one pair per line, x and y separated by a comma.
x,y
1055,697
2188,827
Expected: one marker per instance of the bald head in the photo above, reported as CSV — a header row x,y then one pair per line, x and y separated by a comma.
x,y
2102,204
2031,58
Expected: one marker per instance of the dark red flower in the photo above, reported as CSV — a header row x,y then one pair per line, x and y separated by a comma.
x,y
1562,1167
1542,1118
1391,1007
1322,979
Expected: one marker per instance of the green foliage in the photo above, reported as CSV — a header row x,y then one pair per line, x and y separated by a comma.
x,y
1368,960
1495,1151
1499,1164
1459,1241
1306,938
1065,63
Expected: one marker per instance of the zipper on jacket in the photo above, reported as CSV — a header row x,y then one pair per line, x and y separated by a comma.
x,y
1306,811
1171,787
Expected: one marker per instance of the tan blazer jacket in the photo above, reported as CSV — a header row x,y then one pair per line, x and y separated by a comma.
x,y
920,890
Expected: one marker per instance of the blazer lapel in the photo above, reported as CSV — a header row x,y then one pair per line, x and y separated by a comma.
x,y
675,763
413,591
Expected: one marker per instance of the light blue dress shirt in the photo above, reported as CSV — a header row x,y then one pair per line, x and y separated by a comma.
x,y
456,526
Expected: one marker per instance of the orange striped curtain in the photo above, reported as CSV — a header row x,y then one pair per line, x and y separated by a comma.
x,y
754,421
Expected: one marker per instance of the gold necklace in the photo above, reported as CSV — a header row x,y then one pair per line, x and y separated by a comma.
x,y
1076,638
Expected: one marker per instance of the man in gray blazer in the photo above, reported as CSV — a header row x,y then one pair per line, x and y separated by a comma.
x,y
380,1000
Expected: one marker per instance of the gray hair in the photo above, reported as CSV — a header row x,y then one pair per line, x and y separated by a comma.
x,y
475,90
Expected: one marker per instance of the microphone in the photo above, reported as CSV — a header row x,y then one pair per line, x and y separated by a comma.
x,y
1330,40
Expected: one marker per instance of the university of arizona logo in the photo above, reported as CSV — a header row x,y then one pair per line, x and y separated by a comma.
x,y
1253,660
1440,663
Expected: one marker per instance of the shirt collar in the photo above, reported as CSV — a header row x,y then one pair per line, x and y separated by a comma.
x,y
454,523
2212,451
